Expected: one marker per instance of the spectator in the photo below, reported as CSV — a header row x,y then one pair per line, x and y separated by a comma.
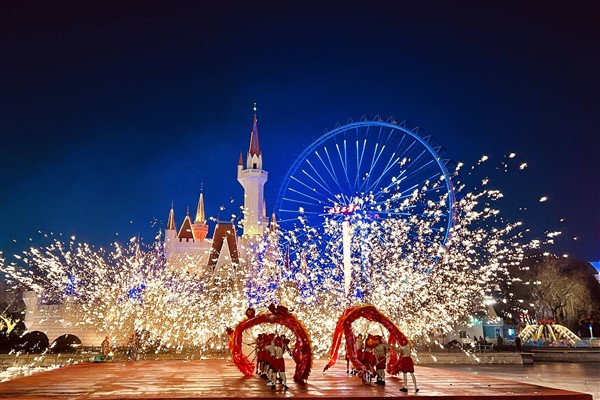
x,y
105,348
499,342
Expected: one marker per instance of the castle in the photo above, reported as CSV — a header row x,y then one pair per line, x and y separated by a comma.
x,y
188,245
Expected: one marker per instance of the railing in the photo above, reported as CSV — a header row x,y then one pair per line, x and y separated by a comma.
x,y
484,347
254,171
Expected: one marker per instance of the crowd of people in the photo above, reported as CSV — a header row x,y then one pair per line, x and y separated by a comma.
x,y
269,348
373,353
133,348
270,364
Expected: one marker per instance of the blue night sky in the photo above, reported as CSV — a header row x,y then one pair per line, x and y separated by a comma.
x,y
110,110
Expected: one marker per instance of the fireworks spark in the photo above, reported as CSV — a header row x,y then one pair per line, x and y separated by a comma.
x,y
423,284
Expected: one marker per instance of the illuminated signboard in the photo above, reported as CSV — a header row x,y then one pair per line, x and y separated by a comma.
x,y
345,210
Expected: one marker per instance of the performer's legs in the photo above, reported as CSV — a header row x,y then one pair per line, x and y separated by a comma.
x,y
404,388
381,376
283,379
414,378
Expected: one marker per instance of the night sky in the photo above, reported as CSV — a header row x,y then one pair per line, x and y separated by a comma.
x,y
112,110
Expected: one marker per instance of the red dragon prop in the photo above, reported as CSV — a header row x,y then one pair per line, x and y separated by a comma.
x,y
302,353
344,325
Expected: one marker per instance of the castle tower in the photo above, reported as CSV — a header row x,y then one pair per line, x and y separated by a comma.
x,y
199,226
253,179
170,233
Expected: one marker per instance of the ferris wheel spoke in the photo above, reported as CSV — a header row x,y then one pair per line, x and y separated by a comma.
x,y
317,172
408,192
374,159
318,202
386,169
324,183
422,167
359,159
390,164
330,171
310,188
295,215
343,160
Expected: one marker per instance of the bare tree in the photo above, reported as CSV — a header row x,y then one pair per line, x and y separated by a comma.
x,y
551,288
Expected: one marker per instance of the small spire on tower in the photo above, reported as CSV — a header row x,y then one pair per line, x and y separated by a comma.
x,y
200,218
241,160
171,221
254,144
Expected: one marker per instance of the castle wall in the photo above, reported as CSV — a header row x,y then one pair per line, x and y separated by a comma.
x,y
52,319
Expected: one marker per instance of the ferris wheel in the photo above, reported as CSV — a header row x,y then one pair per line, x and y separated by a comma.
x,y
369,170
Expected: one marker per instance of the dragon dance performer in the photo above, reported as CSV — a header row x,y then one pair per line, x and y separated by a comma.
x,y
261,356
369,359
380,352
407,366
276,362
359,345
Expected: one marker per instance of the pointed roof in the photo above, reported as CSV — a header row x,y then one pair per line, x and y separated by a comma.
x,y
241,160
186,231
200,218
171,221
254,144
224,235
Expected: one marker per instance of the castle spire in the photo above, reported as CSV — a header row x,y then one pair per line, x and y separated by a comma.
x,y
199,226
254,144
200,218
171,221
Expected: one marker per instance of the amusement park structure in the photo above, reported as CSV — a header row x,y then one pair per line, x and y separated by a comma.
x,y
362,173
367,171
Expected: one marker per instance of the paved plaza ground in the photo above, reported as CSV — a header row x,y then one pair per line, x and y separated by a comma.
x,y
219,379
578,377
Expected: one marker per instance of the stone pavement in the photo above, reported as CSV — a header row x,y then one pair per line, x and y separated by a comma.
x,y
219,379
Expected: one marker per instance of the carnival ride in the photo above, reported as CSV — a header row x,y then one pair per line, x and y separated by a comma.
x,y
371,170
547,330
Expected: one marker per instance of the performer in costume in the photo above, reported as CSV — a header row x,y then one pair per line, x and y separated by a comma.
x,y
369,359
380,352
407,366
278,363
347,358
359,345
270,355
262,355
